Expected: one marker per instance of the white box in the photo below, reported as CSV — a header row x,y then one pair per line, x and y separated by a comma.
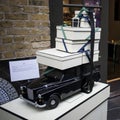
x,y
58,59
61,60
95,57
74,45
76,33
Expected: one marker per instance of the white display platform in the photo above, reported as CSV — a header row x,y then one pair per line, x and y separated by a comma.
x,y
81,106
62,60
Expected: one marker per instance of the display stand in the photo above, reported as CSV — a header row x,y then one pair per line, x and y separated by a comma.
x,y
81,106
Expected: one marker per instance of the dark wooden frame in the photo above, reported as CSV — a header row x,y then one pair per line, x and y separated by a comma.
x,y
117,10
56,17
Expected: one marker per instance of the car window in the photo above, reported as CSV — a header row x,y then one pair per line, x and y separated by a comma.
x,y
53,74
69,74
60,75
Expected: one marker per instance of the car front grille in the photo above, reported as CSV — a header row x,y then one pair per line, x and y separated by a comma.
x,y
30,94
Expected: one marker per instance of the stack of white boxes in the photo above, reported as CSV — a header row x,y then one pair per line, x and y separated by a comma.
x,y
74,38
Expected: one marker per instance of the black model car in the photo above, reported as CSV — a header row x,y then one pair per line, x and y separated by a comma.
x,y
56,85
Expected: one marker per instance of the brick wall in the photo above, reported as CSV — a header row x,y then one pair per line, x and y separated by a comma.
x,y
24,27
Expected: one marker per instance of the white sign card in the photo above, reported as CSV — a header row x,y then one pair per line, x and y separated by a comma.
x,y
24,70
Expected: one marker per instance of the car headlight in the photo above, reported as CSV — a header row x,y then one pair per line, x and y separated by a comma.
x,y
39,96
21,88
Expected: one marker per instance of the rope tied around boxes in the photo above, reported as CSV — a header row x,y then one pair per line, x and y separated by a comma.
x,y
90,38
80,15
90,83
88,53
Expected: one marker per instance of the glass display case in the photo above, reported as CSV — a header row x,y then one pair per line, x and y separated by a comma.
x,y
70,6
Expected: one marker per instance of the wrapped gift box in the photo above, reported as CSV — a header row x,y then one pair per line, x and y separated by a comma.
x,y
75,45
77,33
95,57
61,60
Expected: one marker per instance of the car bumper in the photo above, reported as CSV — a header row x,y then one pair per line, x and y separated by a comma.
x,y
33,103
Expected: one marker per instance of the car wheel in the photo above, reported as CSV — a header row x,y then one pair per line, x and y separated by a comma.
x,y
96,76
87,86
53,102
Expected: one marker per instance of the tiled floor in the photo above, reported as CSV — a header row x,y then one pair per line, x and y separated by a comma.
x,y
114,101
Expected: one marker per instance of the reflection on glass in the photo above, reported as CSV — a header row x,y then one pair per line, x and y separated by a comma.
x,y
91,2
69,12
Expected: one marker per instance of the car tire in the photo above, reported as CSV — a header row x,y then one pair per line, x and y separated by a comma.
x,y
87,85
96,76
53,102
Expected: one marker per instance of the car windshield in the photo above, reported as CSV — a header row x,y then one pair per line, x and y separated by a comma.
x,y
53,74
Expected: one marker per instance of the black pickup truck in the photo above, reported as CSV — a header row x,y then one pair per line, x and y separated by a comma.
x,y
56,85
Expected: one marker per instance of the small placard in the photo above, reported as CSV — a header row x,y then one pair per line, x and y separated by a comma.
x,y
24,70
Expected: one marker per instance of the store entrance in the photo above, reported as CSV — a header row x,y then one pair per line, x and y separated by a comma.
x,y
114,41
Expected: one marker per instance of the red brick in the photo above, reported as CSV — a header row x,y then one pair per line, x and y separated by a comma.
x,y
18,46
6,47
18,32
0,55
1,48
39,2
4,2
30,24
28,9
44,9
4,8
16,16
16,9
5,24
42,44
7,39
19,54
18,2
36,31
18,39
9,54
41,17
2,32
18,23
1,16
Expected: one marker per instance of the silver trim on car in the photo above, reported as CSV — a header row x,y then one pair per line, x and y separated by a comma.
x,y
33,103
